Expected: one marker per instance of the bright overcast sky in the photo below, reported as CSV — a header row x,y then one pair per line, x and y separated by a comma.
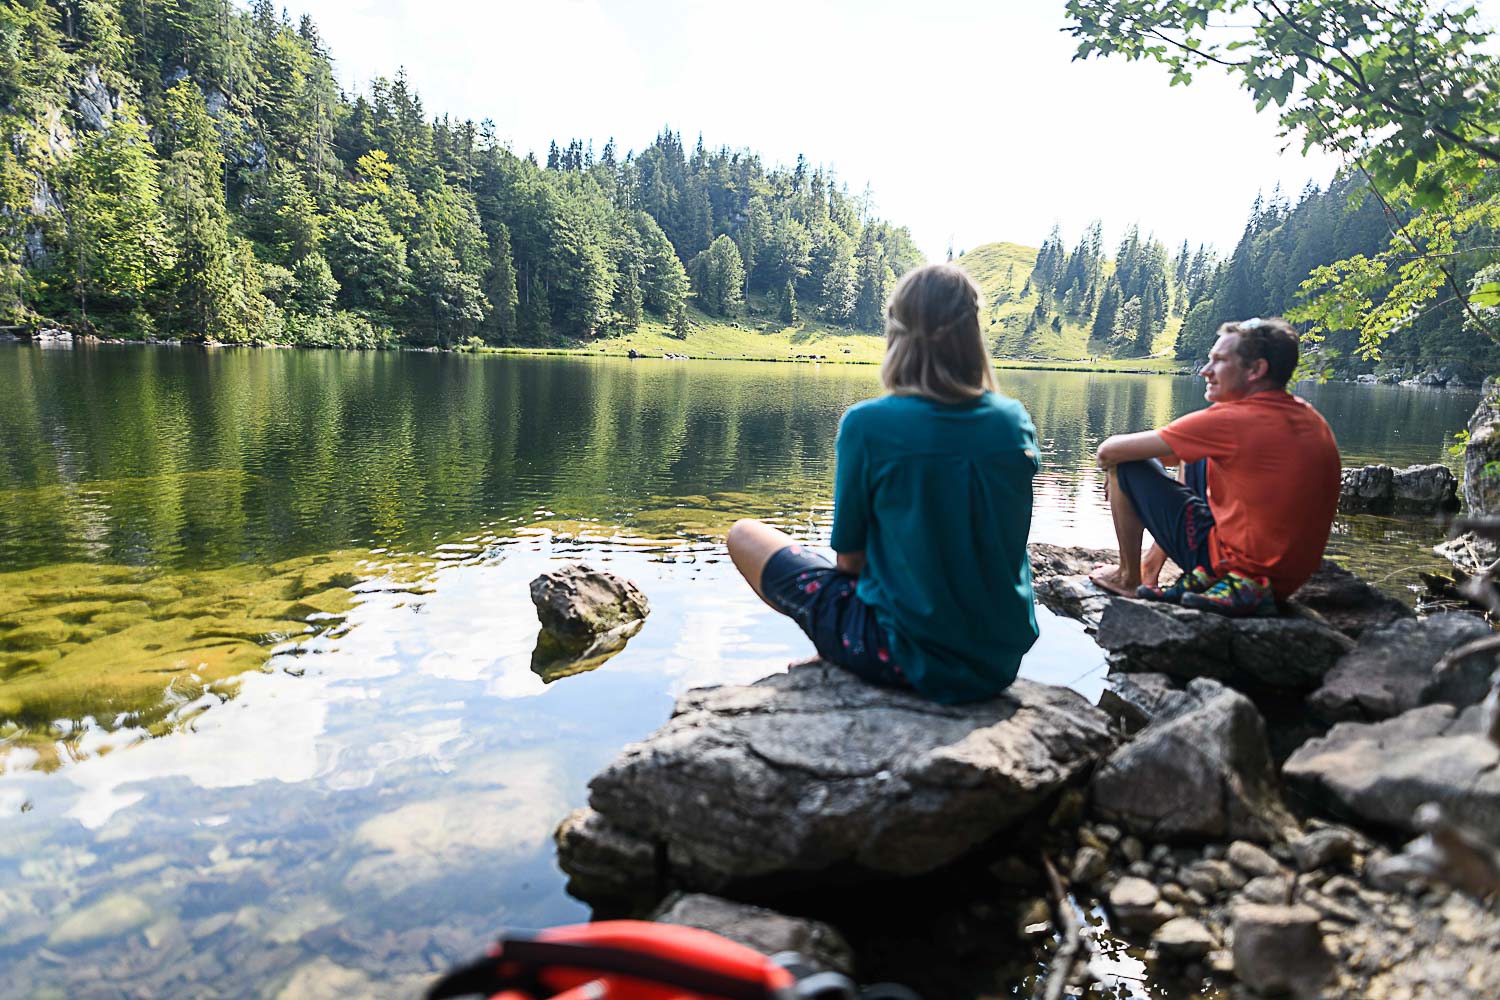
x,y
968,119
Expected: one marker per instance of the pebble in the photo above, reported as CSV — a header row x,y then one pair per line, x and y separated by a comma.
x,y
1214,852
1132,849
1322,848
1141,869
1174,893
1089,864
1138,906
1252,859
1108,832
1266,889
1183,938
1159,853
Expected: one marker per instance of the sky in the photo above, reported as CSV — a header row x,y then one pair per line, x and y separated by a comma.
x,y
968,120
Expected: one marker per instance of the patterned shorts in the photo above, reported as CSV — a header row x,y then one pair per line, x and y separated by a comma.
x,y
804,586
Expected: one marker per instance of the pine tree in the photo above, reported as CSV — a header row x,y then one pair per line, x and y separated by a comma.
x,y
789,304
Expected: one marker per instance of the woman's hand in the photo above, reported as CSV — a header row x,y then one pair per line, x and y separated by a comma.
x,y
852,563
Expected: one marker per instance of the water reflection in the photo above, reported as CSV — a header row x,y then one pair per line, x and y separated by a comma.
x,y
378,797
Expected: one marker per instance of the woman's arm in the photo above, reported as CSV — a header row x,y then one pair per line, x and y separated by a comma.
x,y
852,563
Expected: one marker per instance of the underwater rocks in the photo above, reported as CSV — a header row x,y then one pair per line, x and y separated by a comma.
x,y
814,771
1200,769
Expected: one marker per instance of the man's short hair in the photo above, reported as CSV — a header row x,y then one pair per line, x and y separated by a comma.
x,y
1273,339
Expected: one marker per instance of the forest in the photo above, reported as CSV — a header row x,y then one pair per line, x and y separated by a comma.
x,y
183,169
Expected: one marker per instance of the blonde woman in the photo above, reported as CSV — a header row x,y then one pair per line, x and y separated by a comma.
x,y
931,587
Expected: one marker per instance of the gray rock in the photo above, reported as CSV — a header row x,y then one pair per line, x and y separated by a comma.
x,y
577,603
1201,770
605,863
1182,939
94,102
1133,700
766,931
1346,602
1391,670
1381,772
1481,488
813,769
1060,580
1270,889
1279,949
1252,859
1137,904
1088,867
1323,848
1417,489
1291,653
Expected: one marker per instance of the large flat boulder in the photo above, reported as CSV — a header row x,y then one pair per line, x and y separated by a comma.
x,y
1391,671
1381,772
813,770
1381,489
1200,770
1288,652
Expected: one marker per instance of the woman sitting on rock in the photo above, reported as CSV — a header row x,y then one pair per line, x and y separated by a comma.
x,y
932,505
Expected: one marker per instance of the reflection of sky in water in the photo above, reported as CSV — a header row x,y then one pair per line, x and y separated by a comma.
x,y
378,806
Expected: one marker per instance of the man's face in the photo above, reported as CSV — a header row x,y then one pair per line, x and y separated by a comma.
x,y
1227,375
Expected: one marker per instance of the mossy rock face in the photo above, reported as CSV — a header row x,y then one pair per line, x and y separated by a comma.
x,y
113,642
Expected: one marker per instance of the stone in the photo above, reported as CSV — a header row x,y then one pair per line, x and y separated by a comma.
x,y
1391,670
577,603
1088,867
1481,487
1131,849
1133,700
1137,904
766,931
812,770
1380,489
1251,859
1284,653
605,863
1265,889
1381,772
1060,580
1346,602
1199,771
1279,949
1323,848
1183,939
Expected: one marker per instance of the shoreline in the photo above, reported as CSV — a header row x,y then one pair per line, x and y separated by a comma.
x,y
63,340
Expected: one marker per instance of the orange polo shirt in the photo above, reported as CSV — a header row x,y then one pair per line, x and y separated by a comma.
x,y
1273,484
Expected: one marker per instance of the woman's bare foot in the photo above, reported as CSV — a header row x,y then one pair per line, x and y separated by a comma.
x,y
1114,580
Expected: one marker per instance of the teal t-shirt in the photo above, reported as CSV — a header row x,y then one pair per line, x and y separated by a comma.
x,y
938,497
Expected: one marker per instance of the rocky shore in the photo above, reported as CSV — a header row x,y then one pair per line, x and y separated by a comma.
x,y
1238,812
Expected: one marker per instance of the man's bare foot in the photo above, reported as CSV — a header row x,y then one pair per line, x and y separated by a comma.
x,y
805,663
1114,580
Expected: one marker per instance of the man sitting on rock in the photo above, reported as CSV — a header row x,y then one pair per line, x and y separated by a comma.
x,y
1249,519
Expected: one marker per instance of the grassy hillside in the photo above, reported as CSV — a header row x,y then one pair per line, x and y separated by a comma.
x,y
992,264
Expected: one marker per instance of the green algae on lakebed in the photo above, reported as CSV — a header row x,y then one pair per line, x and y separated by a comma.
x,y
127,646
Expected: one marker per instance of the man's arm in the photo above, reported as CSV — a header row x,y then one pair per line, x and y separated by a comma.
x,y
1134,448
852,563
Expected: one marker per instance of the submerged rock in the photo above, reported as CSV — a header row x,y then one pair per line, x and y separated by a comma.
x,y
1391,670
767,931
813,770
1285,652
1201,769
1382,772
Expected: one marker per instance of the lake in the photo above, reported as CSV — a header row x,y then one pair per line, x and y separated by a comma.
x,y
266,698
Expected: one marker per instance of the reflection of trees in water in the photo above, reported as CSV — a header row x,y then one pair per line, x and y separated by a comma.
x,y
207,458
